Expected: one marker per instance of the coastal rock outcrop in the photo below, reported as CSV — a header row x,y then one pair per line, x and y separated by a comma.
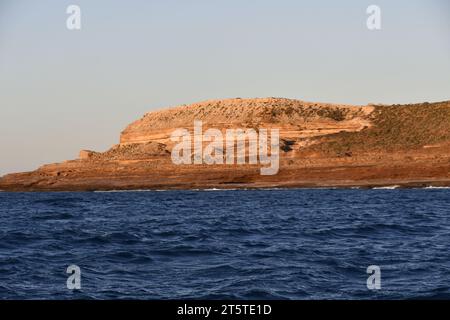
x,y
321,144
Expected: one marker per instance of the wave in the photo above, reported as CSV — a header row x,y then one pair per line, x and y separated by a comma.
x,y
392,187
431,187
387,187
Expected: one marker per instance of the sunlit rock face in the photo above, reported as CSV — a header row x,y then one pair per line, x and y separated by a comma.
x,y
320,144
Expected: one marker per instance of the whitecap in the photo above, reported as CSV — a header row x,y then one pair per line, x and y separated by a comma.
x,y
432,187
387,187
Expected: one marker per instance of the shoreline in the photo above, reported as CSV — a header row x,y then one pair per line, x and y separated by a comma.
x,y
381,185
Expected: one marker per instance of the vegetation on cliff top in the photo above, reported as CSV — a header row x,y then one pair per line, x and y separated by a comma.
x,y
395,127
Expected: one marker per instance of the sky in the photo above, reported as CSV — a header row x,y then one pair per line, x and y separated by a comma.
x,y
65,90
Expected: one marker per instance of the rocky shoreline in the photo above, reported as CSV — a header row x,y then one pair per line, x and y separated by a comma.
x,y
321,146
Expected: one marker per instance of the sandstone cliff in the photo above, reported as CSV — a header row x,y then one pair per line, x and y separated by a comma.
x,y
320,145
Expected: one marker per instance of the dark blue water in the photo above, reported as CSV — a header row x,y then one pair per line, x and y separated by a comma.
x,y
268,244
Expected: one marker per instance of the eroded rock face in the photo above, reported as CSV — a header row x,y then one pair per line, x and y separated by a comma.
x,y
86,154
320,145
132,151
295,119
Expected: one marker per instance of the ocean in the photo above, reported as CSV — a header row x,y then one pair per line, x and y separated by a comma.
x,y
235,244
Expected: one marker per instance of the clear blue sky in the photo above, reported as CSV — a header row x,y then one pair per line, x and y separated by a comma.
x,y
62,91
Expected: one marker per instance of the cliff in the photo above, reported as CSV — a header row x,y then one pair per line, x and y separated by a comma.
x,y
320,145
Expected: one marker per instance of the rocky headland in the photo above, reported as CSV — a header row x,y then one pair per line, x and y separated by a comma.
x,y
321,145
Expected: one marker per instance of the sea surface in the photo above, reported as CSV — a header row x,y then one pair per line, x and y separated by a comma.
x,y
237,244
